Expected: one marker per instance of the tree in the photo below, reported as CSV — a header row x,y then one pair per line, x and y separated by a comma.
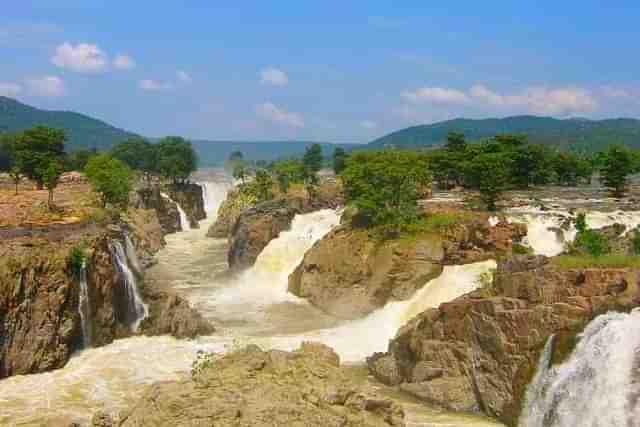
x,y
176,158
6,152
51,178
139,154
35,148
510,141
263,185
618,164
385,186
77,160
339,160
532,165
241,171
16,176
312,161
491,172
110,178
236,156
455,142
288,172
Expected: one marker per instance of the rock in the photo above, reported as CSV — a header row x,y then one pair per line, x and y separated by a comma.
x,y
350,273
169,314
480,351
166,211
189,197
234,204
251,387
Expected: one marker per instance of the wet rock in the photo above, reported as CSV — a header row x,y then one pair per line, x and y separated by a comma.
x,y
189,197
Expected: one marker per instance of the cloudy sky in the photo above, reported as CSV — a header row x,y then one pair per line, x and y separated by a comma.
x,y
343,71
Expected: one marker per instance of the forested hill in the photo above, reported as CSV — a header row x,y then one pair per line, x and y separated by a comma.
x,y
579,134
82,131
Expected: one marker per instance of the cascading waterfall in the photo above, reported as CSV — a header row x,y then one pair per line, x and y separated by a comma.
x,y
598,386
84,307
185,225
136,308
213,195
132,255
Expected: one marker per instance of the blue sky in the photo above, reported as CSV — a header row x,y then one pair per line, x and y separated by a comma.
x,y
342,71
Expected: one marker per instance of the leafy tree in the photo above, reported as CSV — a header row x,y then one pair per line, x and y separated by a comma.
x,y
16,176
77,160
139,154
339,160
510,141
532,165
35,148
384,186
110,178
312,161
6,152
241,171
589,241
491,172
263,185
618,164
176,158
288,172
455,142
51,177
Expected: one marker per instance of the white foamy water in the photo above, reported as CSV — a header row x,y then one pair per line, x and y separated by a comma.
x,y
598,386
136,308
546,234
251,308
84,307
185,225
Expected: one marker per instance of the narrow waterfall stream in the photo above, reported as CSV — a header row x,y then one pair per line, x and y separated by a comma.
x,y
84,307
251,308
598,386
185,225
136,308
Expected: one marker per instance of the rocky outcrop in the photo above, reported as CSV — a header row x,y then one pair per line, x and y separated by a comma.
x,y
350,272
189,197
234,204
166,210
251,387
479,352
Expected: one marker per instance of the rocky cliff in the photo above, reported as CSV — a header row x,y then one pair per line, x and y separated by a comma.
x,y
251,387
234,204
352,272
189,197
479,352
166,211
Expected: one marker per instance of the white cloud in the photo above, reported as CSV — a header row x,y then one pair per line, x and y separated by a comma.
x,y
437,95
368,124
10,89
271,112
540,100
154,85
46,86
273,76
184,77
82,58
124,62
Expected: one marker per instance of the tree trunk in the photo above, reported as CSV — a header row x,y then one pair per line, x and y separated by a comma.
x,y
50,200
16,187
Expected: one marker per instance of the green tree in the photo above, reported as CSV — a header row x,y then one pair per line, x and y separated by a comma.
x,y
176,158
312,161
532,165
110,178
491,172
51,178
241,171
7,161
510,141
288,172
385,186
16,176
455,142
263,185
77,160
236,156
618,165
35,148
139,154
339,160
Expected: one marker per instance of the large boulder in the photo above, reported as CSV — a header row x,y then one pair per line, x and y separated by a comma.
x,y
251,387
189,197
479,352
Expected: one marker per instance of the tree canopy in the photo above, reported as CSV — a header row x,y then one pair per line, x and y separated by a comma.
x,y
35,148
110,178
176,158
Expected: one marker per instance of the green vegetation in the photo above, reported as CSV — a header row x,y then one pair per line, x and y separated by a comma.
x,y
51,177
288,172
110,178
138,154
588,242
312,161
577,135
77,258
34,149
176,158
385,185
339,160
619,162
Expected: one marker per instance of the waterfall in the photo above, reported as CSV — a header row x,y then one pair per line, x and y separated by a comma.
x,y
136,309
84,308
598,386
185,225
213,194
132,255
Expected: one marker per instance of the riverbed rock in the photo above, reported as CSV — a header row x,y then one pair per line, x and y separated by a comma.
x,y
479,352
150,198
351,272
251,387
189,197
230,209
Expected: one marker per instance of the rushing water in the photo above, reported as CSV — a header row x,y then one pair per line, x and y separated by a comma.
x,y
253,307
185,225
136,308
598,386
84,307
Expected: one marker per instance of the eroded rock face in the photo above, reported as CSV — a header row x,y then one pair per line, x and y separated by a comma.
x,y
251,387
228,213
166,211
189,196
479,352
350,273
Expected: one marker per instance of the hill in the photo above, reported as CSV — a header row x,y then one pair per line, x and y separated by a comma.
x,y
82,131
214,153
576,134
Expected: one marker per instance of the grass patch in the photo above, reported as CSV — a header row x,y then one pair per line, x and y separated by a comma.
x,y
568,262
434,222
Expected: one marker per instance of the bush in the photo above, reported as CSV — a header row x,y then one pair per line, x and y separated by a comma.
x,y
76,259
591,242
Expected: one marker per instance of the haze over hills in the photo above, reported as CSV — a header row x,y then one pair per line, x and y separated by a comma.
x,y
581,134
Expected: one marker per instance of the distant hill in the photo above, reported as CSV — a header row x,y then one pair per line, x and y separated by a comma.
x,y
578,134
213,153
82,131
